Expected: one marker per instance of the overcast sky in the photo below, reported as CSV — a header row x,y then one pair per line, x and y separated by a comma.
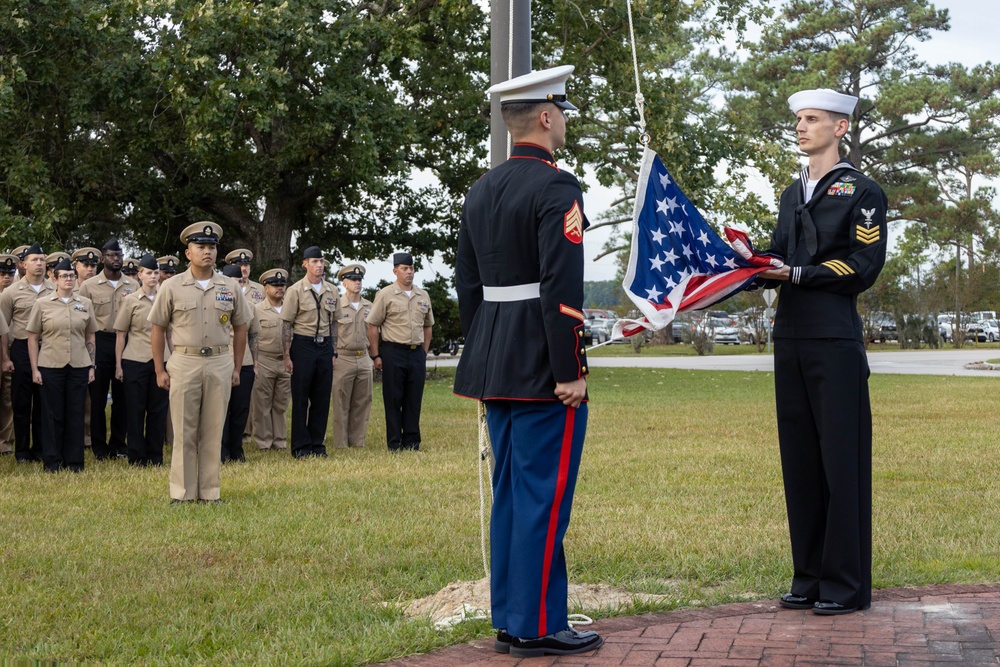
x,y
975,27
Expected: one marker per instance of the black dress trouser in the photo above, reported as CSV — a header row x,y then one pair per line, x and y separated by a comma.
x,y
236,417
62,393
104,376
825,439
26,401
312,383
404,369
146,420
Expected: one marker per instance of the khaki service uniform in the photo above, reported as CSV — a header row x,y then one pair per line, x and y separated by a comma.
x,y
402,319
201,371
147,402
273,386
64,363
254,293
238,414
107,299
15,305
352,375
311,315
6,412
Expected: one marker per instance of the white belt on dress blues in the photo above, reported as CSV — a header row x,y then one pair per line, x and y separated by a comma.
x,y
512,293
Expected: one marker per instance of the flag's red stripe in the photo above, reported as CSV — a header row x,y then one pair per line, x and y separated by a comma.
x,y
550,538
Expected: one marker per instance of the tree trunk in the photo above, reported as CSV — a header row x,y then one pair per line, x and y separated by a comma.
x,y
271,241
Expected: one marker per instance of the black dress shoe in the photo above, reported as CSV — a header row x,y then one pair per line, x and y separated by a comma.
x,y
502,644
793,601
826,608
564,642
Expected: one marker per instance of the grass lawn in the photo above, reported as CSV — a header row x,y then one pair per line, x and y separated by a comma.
x,y
308,562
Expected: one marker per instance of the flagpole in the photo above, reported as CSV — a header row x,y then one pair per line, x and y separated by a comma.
x,y
510,56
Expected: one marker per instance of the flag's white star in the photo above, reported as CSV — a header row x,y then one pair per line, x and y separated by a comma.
x,y
710,260
661,206
672,203
670,283
730,263
658,236
664,180
670,256
687,251
704,237
684,210
653,294
676,227
656,263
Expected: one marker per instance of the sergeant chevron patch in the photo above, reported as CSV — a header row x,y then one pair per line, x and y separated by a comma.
x,y
868,236
839,267
573,224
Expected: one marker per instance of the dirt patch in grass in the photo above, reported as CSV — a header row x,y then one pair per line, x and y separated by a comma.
x,y
471,599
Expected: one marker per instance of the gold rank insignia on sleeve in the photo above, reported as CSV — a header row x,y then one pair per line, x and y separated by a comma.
x,y
868,235
839,267
572,312
573,223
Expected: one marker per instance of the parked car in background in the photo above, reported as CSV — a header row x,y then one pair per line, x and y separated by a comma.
x,y
591,313
446,347
945,327
602,329
599,330
881,328
724,332
983,331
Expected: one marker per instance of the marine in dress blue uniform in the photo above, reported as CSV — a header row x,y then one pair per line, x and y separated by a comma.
x,y
519,276
833,241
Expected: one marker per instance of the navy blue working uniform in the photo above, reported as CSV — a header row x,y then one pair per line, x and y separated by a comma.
x,y
835,247
519,276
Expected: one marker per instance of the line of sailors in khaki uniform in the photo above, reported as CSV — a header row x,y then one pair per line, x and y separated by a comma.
x,y
138,330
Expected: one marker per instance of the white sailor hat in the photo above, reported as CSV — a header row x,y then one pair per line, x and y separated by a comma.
x,y
546,85
823,99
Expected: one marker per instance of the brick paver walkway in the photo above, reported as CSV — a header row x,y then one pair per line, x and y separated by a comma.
x,y
905,627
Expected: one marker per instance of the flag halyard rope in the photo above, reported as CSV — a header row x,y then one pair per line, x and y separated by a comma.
x,y
640,101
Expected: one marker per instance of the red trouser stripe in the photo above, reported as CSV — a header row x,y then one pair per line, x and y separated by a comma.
x,y
550,538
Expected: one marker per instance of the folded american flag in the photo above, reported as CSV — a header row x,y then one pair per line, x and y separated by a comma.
x,y
677,262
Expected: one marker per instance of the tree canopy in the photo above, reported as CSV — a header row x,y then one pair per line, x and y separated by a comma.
x,y
281,120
